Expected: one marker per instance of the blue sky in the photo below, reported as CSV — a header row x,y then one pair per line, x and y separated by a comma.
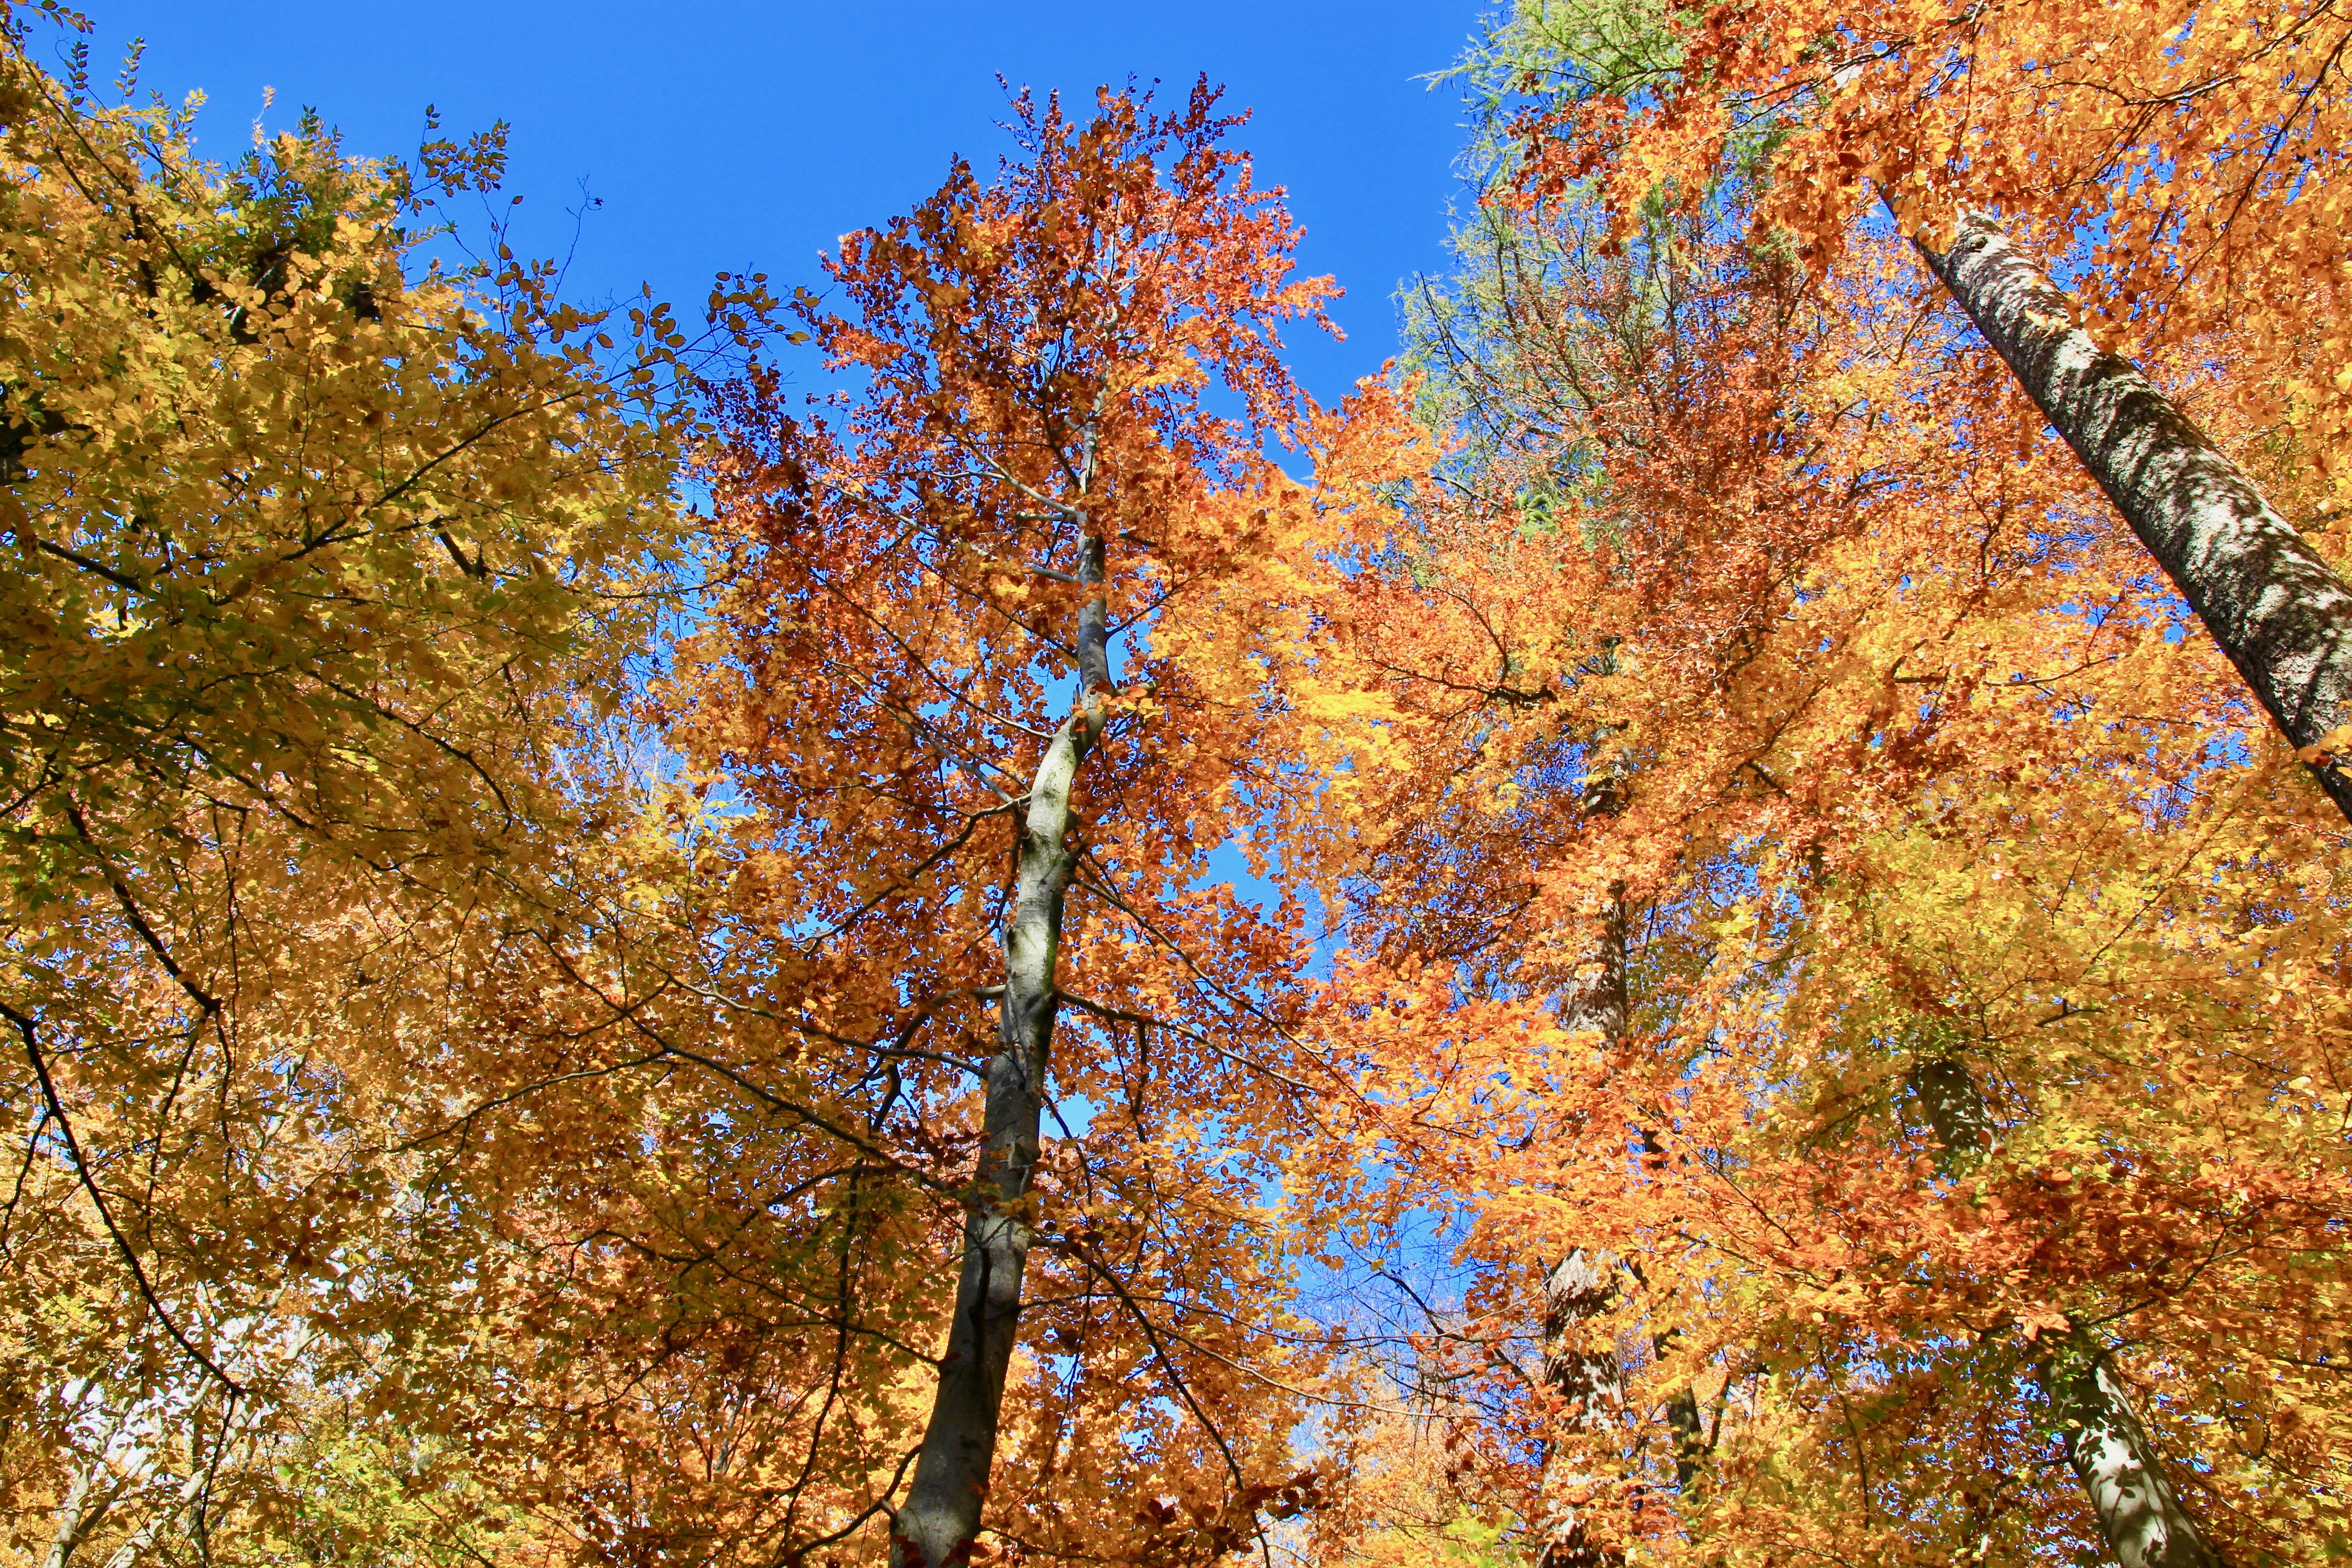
x,y
750,135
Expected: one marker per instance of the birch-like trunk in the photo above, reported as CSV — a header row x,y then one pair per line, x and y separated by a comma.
x,y
140,1541
939,1520
74,1515
1589,1380
2141,1514
2280,611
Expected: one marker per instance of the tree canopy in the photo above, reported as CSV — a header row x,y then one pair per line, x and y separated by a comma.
x,y
1707,925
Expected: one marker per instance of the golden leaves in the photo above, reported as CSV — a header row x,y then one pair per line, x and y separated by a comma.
x,y
1916,769
314,551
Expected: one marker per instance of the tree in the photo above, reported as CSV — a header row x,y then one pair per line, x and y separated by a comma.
x,y
2033,859
962,804
1607,542
2187,161
1916,649
2140,1509
324,557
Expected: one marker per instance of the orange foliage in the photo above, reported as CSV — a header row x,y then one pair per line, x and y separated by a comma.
x,y
1748,729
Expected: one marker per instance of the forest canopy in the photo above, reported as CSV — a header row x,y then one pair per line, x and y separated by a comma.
x,y
1705,924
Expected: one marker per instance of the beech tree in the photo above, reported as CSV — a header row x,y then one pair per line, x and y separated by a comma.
x,y
2200,147
1989,860
1524,860
321,556
967,807
2140,1509
1831,728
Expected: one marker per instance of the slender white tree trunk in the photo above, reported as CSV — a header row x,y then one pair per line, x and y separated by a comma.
x,y
2280,611
71,1524
940,1520
139,1541
2141,1514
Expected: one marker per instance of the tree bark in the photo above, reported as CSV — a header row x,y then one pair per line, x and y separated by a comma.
x,y
939,1521
1689,1428
1956,1111
1590,1382
2280,611
74,1515
2141,1514
137,1544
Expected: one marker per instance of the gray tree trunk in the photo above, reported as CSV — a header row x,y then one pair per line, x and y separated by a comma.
x,y
941,1519
2280,611
1956,1109
2141,1514
1591,1381
167,1517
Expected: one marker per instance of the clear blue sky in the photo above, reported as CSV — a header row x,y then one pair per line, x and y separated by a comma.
x,y
750,135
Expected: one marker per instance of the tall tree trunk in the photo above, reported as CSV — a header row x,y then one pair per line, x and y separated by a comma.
x,y
1689,1428
140,1540
2141,1514
2280,611
1683,1417
1590,1382
939,1521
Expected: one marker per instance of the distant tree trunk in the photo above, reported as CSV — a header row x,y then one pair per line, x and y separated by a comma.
x,y
2140,1512
74,1517
167,1517
1683,1418
940,1520
2279,611
1690,1436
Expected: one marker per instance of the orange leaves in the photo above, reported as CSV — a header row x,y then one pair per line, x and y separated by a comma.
x,y
2144,142
1772,841
1019,601
1757,626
